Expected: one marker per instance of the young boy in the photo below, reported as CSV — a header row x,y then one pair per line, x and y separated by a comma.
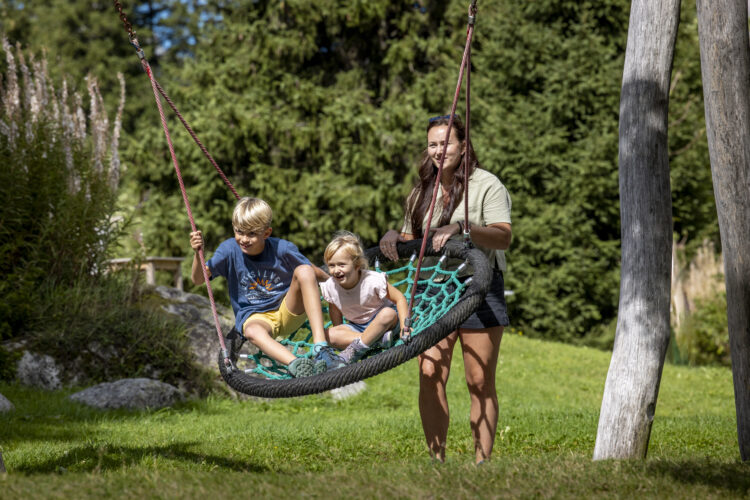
x,y
272,286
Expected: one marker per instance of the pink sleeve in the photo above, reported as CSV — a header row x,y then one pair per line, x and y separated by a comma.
x,y
382,286
325,290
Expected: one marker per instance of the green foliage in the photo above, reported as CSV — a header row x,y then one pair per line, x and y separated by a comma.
x,y
106,329
320,107
703,338
8,363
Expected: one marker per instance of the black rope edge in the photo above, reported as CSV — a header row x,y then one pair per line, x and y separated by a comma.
x,y
381,362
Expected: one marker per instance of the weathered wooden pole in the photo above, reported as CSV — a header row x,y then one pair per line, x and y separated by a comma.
x,y
725,68
632,384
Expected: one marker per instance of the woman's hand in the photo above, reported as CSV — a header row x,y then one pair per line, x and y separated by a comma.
x,y
443,234
388,244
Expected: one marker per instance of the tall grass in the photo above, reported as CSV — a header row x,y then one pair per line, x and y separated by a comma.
x,y
699,307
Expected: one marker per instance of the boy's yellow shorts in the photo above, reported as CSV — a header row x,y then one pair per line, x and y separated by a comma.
x,y
282,321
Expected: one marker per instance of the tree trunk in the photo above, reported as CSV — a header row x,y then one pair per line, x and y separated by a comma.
x,y
725,66
642,336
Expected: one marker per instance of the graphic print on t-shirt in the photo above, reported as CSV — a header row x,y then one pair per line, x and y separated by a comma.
x,y
259,288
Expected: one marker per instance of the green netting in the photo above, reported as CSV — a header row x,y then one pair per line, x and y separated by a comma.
x,y
438,292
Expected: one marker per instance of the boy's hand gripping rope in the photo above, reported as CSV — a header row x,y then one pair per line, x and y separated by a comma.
x,y
158,90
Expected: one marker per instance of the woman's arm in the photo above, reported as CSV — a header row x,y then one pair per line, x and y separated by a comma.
x,y
389,240
495,236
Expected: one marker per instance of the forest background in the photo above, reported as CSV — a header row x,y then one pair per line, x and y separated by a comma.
x,y
320,107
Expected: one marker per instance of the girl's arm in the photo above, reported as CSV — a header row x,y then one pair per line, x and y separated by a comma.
x,y
402,306
336,317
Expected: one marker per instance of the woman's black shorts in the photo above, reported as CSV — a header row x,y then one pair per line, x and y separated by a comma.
x,y
493,311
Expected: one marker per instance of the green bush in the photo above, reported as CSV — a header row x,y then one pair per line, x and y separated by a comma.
x,y
105,328
703,339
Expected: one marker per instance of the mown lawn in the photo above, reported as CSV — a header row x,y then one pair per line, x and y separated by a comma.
x,y
371,445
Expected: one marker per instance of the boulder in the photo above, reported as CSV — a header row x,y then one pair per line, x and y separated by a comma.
x,y
38,370
5,405
130,393
195,311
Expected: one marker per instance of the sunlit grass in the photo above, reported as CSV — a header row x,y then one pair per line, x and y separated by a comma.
x,y
371,445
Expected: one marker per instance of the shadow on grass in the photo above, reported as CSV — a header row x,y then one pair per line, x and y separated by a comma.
x,y
733,477
108,458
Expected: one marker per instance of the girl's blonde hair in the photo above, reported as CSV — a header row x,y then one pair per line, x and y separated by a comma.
x,y
251,214
352,246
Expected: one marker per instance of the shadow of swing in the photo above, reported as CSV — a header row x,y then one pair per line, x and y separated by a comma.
x,y
96,459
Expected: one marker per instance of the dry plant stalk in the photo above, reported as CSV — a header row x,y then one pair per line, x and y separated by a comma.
x,y
702,278
35,100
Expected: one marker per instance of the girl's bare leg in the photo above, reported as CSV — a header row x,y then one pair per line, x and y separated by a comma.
x,y
383,321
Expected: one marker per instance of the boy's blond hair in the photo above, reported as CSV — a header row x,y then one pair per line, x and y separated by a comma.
x,y
352,246
251,214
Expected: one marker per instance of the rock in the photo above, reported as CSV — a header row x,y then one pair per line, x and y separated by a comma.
x,y
5,405
130,393
195,311
38,370
348,391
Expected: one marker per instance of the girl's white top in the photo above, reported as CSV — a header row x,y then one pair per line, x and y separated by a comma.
x,y
361,303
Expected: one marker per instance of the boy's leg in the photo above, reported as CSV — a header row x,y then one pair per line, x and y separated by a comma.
x,y
304,297
259,333
383,321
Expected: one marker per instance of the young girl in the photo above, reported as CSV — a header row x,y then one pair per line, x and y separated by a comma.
x,y
363,297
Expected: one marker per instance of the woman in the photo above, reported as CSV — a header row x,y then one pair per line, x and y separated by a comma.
x,y
480,335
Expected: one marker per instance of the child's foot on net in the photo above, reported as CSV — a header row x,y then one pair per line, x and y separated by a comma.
x,y
388,339
354,352
319,367
330,358
302,367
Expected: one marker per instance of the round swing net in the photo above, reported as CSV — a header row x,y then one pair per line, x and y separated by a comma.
x,y
443,300
438,292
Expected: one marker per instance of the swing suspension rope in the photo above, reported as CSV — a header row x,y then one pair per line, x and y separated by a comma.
x,y
429,310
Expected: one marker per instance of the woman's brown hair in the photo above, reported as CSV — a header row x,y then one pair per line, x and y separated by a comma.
x,y
418,201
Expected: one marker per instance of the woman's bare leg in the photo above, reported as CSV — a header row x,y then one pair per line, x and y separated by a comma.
x,y
434,369
480,350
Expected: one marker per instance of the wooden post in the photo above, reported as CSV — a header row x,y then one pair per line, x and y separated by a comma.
x,y
2,464
642,336
725,67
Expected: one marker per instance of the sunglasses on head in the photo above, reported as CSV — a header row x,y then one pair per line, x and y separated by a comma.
x,y
442,117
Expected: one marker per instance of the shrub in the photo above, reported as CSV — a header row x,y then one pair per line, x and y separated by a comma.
x,y
60,170
703,337
105,329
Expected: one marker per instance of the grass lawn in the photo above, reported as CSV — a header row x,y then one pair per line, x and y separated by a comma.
x,y
371,445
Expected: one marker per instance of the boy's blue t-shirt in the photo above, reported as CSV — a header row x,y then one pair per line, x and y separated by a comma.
x,y
256,283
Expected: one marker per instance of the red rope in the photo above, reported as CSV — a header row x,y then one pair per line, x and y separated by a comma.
x,y
464,66
195,138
